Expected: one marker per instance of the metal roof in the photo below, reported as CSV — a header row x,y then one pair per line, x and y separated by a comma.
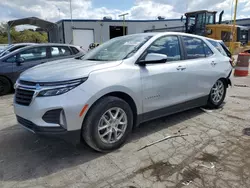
x,y
200,12
101,20
32,21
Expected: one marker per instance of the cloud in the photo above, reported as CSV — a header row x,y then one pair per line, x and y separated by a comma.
x,y
53,10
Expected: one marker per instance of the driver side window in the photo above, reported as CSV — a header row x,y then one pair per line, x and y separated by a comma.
x,y
11,59
168,45
33,54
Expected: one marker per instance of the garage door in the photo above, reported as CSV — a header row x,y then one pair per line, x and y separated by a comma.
x,y
83,37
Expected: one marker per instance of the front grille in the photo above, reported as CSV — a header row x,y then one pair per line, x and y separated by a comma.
x,y
52,116
25,122
23,97
27,83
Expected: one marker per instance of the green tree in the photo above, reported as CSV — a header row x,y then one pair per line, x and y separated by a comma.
x,y
21,36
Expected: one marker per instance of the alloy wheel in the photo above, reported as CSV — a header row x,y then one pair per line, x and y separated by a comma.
x,y
217,91
112,125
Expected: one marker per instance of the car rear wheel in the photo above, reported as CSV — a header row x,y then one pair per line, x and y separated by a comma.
x,y
217,94
5,86
108,124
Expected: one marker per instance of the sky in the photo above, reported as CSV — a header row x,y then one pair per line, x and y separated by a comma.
x,y
54,10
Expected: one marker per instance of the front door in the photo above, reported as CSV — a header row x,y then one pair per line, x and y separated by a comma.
x,y
30,58
164,84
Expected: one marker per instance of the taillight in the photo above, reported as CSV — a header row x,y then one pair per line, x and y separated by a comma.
x,y
231,61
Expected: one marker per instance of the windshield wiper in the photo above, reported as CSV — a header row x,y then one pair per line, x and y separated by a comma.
x,y
93,59
79,57
131,52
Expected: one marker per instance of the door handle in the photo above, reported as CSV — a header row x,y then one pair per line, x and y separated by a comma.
x,y
213,63
181,68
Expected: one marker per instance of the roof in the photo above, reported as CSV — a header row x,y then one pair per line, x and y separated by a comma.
x,y
101,20
199,11
32,21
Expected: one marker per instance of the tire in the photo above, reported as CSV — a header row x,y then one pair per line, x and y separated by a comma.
x,y
215,102
93,131
5,86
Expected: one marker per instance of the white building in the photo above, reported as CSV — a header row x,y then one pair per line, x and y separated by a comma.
x,y
84,32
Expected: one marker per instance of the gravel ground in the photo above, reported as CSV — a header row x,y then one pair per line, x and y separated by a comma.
x,y
215,153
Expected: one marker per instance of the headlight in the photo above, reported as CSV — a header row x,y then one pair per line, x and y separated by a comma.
x,y
58,88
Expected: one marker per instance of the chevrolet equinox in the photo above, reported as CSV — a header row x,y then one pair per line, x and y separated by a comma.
x,y
120,84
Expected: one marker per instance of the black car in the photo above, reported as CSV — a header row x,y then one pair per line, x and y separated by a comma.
x,y
14,63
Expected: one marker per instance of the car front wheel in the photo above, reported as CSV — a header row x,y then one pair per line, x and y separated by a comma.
x,y
5,86
217,94
108,124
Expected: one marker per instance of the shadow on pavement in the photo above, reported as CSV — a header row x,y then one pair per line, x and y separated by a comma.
x,y
27,156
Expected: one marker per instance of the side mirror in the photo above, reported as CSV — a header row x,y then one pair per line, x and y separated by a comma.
x,y
153,58
19,61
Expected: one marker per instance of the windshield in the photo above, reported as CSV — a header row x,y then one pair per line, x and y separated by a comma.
x,y
118,48
8,47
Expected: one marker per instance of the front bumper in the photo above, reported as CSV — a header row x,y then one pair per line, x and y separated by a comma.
x,y
73,137
72,102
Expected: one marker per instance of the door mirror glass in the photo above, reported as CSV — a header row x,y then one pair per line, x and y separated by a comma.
x,y
19,61
152,58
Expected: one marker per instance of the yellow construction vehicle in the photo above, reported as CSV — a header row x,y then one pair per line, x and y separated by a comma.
x,y
203,23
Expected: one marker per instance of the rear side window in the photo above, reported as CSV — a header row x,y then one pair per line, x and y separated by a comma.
x,y
196,48
74,50
60,51
218,46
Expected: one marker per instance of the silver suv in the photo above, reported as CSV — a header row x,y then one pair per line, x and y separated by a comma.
x,y
120,84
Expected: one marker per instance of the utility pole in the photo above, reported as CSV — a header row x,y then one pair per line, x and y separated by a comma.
x,y
8,31
59,12
70,5
123,16
234,24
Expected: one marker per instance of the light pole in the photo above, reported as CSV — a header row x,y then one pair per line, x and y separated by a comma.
x,y
70,6
234,23
123,16
59,12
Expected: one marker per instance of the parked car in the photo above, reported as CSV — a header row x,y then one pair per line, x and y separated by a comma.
x,y
14,47
13,64
120,84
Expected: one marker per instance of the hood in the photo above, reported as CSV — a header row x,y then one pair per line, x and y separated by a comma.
x,y
62,70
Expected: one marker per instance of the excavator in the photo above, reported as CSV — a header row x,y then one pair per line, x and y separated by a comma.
x,y
204,23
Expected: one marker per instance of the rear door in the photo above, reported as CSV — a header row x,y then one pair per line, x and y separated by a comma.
x,y
31,57
201,65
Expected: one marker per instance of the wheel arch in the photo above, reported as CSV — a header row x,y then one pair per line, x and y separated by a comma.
x,y
226,81
10,82
6,77
122,95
